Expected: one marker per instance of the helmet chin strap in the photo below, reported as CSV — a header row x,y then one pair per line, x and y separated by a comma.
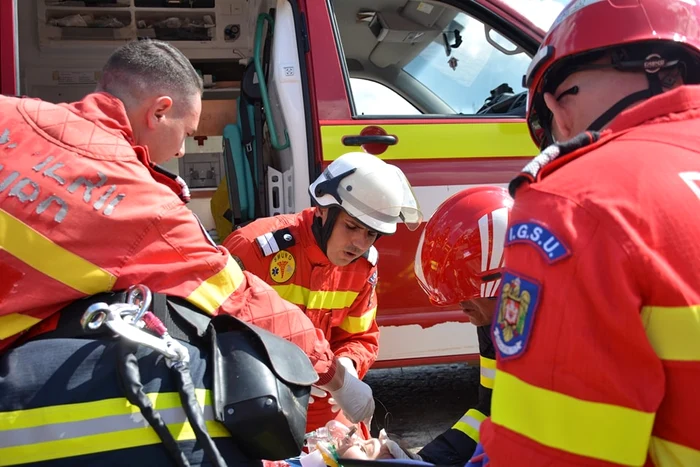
x,y
655,88
322,230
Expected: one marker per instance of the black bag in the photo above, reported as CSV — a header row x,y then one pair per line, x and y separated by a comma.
x,y
261,389
261,382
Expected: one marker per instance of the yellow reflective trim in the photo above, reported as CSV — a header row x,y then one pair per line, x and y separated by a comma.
x,y
316,299
486,382
39,252
667,454
31,418
213,292
469,424
15,323
57,449
358,324
674,332
592,429
439,141
487,362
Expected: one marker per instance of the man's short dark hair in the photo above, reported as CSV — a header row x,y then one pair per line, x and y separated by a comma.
x,y
143,68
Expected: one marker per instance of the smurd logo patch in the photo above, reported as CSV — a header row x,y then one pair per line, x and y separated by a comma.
x,y
515,312
540,237
282,267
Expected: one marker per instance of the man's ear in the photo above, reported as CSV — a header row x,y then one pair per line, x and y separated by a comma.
x,y
561,119
160,107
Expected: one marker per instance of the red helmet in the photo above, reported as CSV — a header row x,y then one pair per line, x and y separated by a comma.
x,y
460,253
585,28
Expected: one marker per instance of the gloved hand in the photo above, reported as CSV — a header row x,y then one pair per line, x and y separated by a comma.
x,y
352,395
479,458
350,367
391,449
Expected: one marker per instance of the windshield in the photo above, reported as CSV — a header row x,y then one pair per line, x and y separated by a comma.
x,y
541,13
475,68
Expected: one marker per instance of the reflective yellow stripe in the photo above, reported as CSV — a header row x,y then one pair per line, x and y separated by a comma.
x,y
14,323
102,442
440,140
674,332
667,454
488,371
213,292
602,431
65,415
469,424
358,324
315,299
39,252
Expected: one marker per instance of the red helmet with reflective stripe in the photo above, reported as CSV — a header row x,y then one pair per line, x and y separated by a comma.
x,y
587,27
460,252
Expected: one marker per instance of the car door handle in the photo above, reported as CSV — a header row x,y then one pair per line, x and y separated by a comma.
x,y
359,140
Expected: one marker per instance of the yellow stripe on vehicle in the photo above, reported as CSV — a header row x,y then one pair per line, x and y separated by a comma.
x,y
438,141
667,454
213,292
487,371
470,423
592,429
674,332
358,324
15,323
51,259
316,299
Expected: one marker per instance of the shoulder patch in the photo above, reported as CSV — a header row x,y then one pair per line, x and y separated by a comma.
x,y
539,236
282,267
515,313
272,242
371,255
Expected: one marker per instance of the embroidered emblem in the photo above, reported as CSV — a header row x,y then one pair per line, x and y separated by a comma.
x,y
540,237
282,267
373,279
515,312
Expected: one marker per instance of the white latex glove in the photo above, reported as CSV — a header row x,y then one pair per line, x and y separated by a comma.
x,y
350,367
393,448
355,399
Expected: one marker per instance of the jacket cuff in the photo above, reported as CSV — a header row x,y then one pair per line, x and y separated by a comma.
x,y
325,378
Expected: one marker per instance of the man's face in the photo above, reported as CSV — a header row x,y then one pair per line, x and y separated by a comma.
x,y
164,127
349,239
479,310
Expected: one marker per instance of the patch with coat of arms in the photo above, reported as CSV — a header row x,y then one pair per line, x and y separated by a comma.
x,y
515,313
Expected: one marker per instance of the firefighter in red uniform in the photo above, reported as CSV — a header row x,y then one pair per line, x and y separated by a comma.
x,y
597,327
322,258
458,263
85,209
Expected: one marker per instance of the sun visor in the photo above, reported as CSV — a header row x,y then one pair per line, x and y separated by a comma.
x,y
397,36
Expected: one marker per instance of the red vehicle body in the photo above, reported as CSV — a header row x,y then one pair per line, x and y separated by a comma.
x,y
443,144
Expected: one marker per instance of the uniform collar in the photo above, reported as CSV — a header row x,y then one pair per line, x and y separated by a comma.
x,y
109,113
663,107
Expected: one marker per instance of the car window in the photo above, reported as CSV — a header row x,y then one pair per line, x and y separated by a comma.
x,y
427,58
372,98
465,79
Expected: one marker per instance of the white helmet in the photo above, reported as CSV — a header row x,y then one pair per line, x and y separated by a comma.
x,y
375,193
